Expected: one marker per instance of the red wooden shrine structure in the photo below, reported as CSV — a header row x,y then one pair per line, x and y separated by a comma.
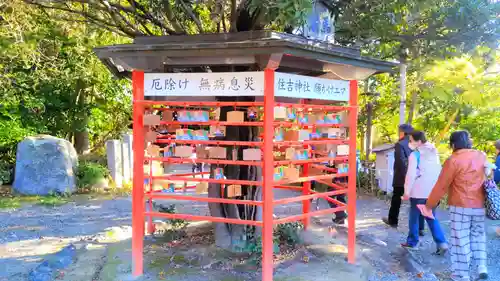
x,y
196,74
267,144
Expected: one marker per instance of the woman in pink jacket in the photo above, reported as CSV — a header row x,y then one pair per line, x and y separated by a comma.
x,y
423,172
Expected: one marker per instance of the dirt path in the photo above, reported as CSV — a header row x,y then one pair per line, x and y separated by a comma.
x,y
29,234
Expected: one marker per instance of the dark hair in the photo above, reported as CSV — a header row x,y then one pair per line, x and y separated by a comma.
x,y
419,136
406,129
460,140
497,144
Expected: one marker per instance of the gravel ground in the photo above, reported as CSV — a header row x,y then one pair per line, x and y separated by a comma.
x,y
30,233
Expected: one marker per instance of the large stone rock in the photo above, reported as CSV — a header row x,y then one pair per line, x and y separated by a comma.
x,y
45,165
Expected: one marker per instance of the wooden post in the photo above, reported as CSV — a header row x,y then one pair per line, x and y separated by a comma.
x,y
138,178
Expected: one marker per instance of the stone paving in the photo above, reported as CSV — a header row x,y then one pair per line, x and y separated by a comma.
x,y
29,234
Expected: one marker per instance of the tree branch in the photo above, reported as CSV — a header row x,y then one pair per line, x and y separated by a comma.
x,y
169,13
114,11
192,15
86,15
234,16
153,19
119,18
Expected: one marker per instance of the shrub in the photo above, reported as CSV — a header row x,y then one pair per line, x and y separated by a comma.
x,y
90,173
6,173
289,233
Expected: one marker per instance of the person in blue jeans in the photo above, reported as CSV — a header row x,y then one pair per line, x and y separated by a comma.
x,y
423,172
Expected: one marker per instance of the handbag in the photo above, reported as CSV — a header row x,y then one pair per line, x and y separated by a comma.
x,y
492,203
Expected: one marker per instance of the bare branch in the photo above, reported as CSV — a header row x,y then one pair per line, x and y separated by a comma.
x,y
120,19
192,15
167,8
234,16
151,18
119,16
88,16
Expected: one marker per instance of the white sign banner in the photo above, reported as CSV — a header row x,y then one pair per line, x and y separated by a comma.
x,y
306,87
204,84
243,84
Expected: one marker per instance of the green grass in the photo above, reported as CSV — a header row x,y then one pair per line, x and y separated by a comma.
x,y
52,201
15,202
10,203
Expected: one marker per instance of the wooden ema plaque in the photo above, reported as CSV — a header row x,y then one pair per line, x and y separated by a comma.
x,y
201,152
291,135
218,152
218,131
151,120
280,113
233,190
150,136
289,153
153,150
183,151
201,188
167,116
342,150
236,116
252,154
291,173
304,135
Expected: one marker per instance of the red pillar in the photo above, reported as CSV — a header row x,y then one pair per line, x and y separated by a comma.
x,y
306,186
268,174
351,205
138,175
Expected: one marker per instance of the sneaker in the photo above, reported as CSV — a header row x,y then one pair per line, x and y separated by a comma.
x,y
421,233
483,273
459,278
442,249
483,276
408,246
386,221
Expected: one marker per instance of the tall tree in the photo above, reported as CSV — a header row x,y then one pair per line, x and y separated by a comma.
x,y
52,84
415,32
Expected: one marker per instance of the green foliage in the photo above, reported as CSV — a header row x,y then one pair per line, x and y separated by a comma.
x,y
366,179
9,203
289,233
52,83
6,173
89,174
53,200
464,83
176,223
419,29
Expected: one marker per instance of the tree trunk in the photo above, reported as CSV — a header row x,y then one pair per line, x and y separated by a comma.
x,y
80,126
402,89
233,236
369,124
413,105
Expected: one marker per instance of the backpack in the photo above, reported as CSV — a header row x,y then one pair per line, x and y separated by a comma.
x,y
417,155
492,203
